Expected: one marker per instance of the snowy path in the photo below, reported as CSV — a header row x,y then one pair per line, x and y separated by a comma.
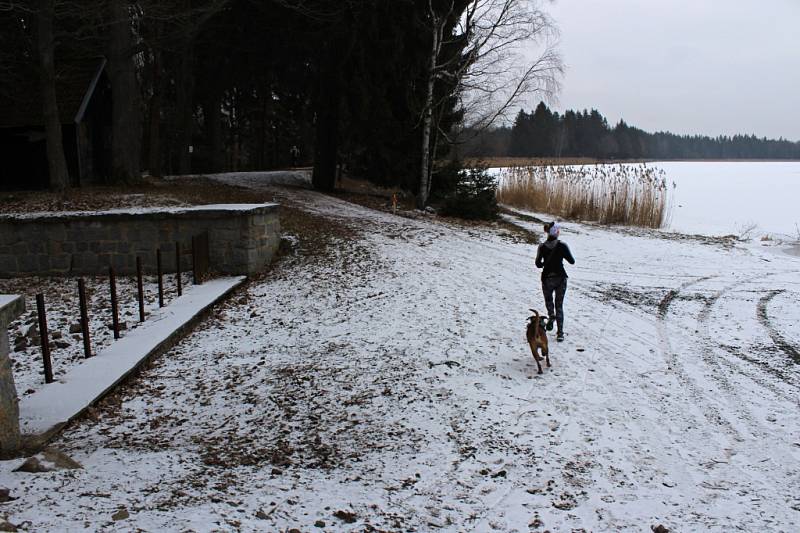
x,y
393,382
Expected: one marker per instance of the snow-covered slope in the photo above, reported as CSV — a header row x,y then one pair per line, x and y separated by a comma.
x,y
391,386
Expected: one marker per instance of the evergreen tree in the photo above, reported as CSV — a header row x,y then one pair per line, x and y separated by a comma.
x,y
587,134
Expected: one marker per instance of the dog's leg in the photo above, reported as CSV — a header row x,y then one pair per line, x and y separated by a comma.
x,y
545,349
536,355
543,343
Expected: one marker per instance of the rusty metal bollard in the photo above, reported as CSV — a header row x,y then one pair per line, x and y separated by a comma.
x,y
178,267
160,278
48,364
87,345
140,288
112,279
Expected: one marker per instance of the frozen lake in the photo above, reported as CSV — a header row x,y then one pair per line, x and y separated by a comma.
x,y
723,198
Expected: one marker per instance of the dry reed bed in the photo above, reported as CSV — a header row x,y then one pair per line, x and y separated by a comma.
x,y
635,195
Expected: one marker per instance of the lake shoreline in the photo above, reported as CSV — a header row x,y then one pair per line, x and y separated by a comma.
x,y
749,200
501,162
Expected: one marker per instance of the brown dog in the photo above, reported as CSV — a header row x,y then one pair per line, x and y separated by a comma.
x,y
537,338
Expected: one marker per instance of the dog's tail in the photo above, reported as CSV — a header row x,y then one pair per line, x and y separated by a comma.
x,y
535,316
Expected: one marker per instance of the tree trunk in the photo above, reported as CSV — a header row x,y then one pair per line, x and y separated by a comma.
x,y
154,153
235,154
326,147
213,114
56,162
433,152
427,122
262,138
184,87
126,124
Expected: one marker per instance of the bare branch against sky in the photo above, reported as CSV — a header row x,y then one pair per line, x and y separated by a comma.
x,y
687,66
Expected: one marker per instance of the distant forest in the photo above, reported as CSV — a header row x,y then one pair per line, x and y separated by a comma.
x,y
544,133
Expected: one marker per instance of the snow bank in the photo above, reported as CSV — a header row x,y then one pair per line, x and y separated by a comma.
x,y
137,211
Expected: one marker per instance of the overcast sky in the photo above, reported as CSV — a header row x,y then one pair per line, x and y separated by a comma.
x,y
686,66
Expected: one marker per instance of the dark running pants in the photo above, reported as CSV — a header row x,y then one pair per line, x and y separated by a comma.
x,y
555,285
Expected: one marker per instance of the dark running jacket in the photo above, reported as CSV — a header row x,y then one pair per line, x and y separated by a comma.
x,y
550,256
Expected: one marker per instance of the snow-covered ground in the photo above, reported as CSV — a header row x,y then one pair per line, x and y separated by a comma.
x,y
49,409
63,320
389,386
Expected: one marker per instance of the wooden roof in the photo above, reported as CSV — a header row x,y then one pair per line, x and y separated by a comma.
x,y
75,84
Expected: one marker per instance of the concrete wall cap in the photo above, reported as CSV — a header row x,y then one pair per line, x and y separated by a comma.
x,y
11,306
143,212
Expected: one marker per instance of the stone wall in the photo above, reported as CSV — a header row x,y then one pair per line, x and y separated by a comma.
x,y
10,308
242,239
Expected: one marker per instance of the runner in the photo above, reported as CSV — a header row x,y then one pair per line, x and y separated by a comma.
x,y
549,257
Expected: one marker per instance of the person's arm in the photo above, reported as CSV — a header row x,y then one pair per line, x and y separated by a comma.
x,y
539,258
567,254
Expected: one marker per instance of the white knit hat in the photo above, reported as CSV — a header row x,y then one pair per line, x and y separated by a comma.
x,y
555,229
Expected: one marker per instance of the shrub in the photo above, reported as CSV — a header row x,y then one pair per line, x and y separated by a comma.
x,y
445,180
475,196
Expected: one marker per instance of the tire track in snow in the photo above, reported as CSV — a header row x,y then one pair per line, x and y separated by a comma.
x,y
777,455
750,476
710,412
717,362
716,372
780,341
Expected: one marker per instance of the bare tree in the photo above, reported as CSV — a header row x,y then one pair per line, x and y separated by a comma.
x,y
494,72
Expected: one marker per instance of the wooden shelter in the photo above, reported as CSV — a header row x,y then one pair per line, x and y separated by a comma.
x,y
83,92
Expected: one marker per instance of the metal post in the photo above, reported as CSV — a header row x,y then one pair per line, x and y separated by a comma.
x,y
140,288
195,266
48,365
87,345
112,278
178,267
160,280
